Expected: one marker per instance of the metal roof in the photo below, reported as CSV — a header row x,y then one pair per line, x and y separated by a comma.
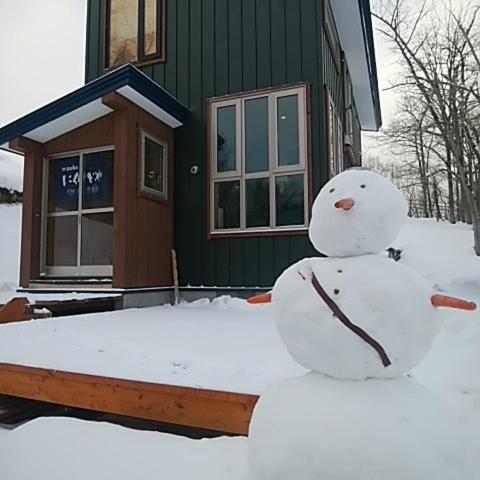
x,y
354,25
85,105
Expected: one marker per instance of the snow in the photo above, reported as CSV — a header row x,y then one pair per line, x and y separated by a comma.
x,y
368,430
11,171
374,217
390,302
225,345
441,252
10,219
59,449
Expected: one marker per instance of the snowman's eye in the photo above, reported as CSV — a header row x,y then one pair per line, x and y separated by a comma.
x,y
332,190
339,271
363,186
336,291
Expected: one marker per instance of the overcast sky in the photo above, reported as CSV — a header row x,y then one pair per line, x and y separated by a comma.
x,y
42,54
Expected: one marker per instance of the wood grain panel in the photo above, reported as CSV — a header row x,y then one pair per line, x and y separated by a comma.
x,y
98,133
212,410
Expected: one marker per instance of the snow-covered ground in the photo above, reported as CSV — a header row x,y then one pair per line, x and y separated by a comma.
x,y
225,345
221,345
10,220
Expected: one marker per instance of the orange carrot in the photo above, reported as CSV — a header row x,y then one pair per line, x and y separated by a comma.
x,y
345,204
452,302
259,299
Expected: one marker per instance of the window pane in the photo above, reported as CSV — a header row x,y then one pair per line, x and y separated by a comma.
x,y
123,32
258,202
63,184
288,136
150,25
97,239
62,233
290,200
227,205
97,180
226,139
256,135
154,166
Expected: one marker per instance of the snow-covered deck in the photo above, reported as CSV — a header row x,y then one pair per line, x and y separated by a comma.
x,y
200,364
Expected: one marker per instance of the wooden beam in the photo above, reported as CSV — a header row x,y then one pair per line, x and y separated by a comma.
x,y
207,409
25,145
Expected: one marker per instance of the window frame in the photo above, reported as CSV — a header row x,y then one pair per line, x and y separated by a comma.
x,y
334,135
78,269
143,189
274,171
143,60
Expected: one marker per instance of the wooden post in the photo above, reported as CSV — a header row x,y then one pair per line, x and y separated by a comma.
x,y
176,290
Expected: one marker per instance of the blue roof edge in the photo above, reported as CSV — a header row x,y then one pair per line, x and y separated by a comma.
x,y
127,75
365,8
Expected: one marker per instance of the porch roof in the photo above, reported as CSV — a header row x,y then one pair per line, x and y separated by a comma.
x,y
85,105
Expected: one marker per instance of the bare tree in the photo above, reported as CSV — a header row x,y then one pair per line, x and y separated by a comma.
x,y
438,47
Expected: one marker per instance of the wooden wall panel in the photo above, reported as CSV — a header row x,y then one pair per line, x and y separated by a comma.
x,y
31,210
98,133
143,226
217,47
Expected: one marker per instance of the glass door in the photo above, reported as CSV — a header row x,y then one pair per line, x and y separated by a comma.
x,y
78,229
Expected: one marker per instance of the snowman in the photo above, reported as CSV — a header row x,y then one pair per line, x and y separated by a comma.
x,y
360,322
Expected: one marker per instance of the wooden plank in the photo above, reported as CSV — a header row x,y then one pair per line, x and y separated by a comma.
x,y
264,51
235,46
249,36
279,60
212,410
221,47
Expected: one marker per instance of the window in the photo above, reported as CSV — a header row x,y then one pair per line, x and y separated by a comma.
x,y
348,107
258,148
135,31
154,167
334,138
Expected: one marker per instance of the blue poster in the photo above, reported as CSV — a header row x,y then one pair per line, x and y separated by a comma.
x,y
97,186
97,180
67,180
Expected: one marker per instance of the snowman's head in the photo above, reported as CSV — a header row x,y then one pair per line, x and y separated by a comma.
x,y
356,213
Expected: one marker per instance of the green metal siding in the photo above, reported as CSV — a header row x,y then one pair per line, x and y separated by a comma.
x,y
217,47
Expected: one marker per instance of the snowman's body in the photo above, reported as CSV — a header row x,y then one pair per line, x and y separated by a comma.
x,y
351,317
388,301
314,428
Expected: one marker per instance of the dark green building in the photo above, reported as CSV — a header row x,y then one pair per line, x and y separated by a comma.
x,y
206,127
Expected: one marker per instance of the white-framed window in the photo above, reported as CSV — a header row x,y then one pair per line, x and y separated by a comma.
x,y
258,162
154,158
335,138
348,107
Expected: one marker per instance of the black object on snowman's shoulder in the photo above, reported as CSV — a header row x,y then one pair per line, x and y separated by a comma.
x,y
394,254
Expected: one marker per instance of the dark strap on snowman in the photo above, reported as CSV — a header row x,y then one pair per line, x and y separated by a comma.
x,y
351,326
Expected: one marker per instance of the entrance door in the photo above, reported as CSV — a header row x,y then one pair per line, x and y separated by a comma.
x,y
78,228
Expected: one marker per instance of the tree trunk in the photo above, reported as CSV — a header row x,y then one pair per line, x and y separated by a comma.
x,y
451,196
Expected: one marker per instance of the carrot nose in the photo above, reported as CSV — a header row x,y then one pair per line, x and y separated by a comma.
x,y
345,204
452,302
259,299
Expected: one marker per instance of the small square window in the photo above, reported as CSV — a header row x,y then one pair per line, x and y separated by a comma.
x,y
154,167
135,31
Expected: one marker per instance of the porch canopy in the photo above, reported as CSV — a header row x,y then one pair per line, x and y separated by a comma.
x,y
85,105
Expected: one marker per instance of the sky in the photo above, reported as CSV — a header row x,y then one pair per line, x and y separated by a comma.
x,y
42,52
